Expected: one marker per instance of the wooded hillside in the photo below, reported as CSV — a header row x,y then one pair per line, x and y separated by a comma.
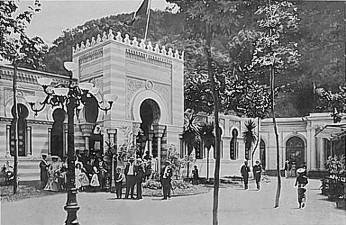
x,y
321,40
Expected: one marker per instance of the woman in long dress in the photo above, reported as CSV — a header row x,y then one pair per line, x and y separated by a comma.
x,y
82,180
53,175
95,183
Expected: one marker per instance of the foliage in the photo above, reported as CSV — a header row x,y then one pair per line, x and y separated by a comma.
x,y
336,166
249,136
191,130
16,46
335,102
207,135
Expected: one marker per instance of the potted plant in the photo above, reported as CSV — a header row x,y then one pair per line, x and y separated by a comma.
x,y
333,185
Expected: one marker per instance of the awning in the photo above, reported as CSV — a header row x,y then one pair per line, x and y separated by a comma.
x,y
332,131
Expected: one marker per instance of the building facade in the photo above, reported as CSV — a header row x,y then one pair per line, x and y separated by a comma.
x,y
145,81
299,142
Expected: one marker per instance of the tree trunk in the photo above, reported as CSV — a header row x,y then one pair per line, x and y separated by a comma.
x,y
15,129
258,140
272,86
207,49
207,164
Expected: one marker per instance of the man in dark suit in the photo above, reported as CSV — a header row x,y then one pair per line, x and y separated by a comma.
x,y
140,176
166,176
244,170
130,174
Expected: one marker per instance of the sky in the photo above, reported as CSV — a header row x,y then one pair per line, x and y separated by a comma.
x,y
58,15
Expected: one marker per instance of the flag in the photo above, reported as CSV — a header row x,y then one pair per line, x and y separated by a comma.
x,y
142,11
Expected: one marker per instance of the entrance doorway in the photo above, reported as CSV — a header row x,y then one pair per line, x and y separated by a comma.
x,y
263,153
295,151
150,114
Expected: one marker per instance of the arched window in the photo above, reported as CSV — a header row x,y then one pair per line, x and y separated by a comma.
x,y
234,145
22,112
57,141
295,151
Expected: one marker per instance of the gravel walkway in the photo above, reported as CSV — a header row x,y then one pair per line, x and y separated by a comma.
x,y
237,206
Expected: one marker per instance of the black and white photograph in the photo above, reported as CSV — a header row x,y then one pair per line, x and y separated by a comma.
x,y
172,112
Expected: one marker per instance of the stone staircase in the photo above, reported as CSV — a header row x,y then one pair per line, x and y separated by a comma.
x,y
28,169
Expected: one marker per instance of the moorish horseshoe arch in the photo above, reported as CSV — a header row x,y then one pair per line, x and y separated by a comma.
x,y
140,97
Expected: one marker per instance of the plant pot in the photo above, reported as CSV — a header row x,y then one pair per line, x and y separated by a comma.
x,y
341,203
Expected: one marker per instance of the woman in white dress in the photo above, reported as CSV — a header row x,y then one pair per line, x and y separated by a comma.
x,y
95,183
82,180
53,175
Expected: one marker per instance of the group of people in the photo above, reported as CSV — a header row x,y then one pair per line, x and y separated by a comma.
x,y
135,174
257,171
300,183
91,173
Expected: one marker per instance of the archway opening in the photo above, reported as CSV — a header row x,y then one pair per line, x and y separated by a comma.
x,y
22,112
234,145
57,133
295,151
150,114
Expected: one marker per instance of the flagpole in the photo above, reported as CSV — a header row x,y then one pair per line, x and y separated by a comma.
x,y
147,26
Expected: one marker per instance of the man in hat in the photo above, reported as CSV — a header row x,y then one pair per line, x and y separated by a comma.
x,y
130,177
166,176
244,170
43,171
140,176
257,170
301,182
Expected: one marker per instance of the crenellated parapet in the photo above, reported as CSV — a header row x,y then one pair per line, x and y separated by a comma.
x,y
134,43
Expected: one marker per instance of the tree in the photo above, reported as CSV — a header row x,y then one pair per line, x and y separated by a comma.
x,y
250,137
208,139
275,51
334,102
191,134
17,48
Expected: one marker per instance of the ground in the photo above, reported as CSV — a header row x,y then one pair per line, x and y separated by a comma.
x,y
236,206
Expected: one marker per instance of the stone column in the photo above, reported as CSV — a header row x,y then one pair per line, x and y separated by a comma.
x,y
87,129
8,148
112,140
159,131
321,152
150,140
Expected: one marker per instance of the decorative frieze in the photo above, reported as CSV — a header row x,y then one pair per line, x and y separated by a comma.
x,y
146,47
90,56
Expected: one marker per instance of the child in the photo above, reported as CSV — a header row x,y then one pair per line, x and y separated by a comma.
x,y
119,178
301,182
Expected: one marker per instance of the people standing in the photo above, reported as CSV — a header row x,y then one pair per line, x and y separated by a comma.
x,y
53,175
43,171
119,178
195,176
95,183
257,170
244,171
301,182
288,168
140,176
130,177
166,176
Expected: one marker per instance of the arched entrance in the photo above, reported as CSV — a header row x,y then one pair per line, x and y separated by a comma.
x,y
295,151
150,114
57,133
22,112
234,145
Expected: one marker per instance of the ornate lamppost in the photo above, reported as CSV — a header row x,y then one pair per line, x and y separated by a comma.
x,y
71,97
